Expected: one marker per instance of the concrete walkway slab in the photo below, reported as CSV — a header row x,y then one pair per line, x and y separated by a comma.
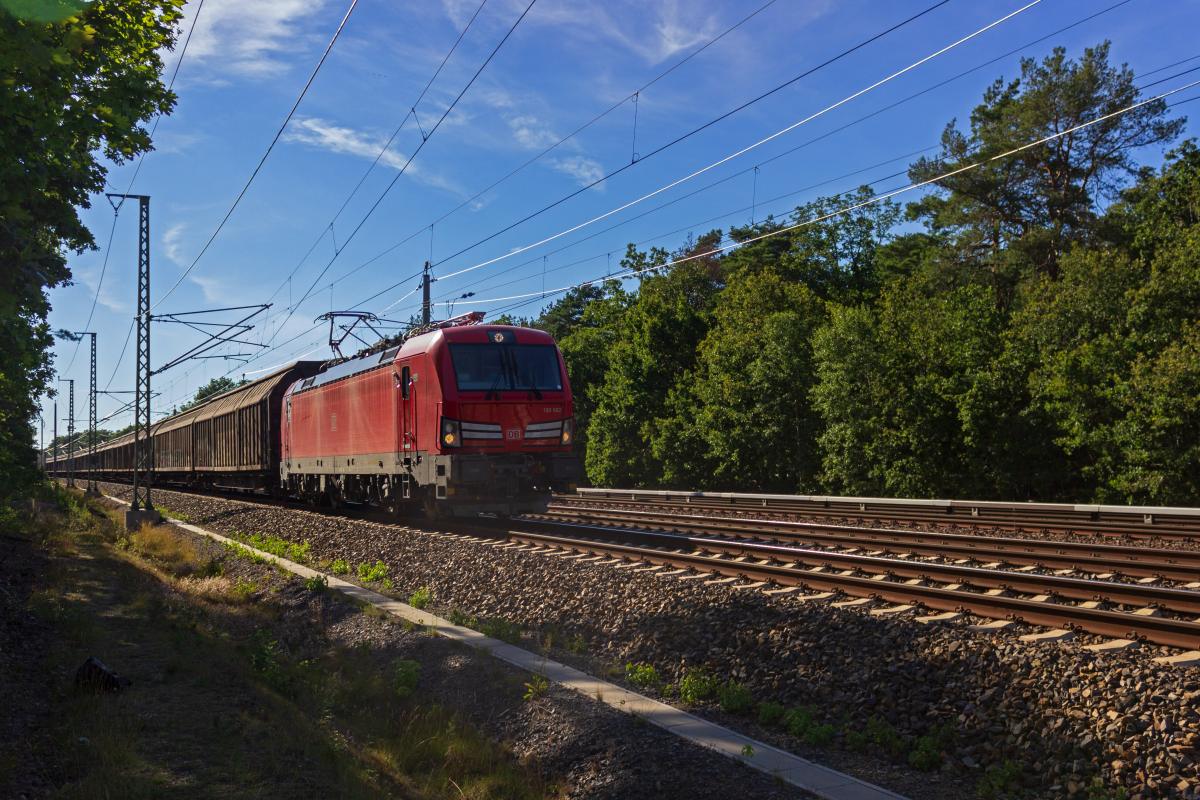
x,y
823,782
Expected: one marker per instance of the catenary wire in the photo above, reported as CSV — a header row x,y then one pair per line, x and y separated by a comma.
x,y
254,174
872,201
387,146
137,169
747,148
400,172
858,121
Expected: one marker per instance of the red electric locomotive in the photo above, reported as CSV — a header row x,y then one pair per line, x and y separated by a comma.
x,y
462,419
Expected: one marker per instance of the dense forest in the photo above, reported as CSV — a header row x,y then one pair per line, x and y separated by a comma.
x,y
1029,329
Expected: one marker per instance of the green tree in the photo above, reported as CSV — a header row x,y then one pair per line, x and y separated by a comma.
x,y
655,348
71,88
1027,208
214,387
1111,342
748,409
586,346
896,385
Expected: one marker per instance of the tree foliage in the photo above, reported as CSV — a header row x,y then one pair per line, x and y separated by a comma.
x,y
74,85
214,387
1039,338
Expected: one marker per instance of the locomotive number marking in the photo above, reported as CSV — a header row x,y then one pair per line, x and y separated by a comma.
x,y
513,433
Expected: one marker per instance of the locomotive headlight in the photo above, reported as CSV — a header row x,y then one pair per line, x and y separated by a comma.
x,y
451,433
568,431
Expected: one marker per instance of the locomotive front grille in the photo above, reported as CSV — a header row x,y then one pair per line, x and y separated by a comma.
x,y
544,430
481,430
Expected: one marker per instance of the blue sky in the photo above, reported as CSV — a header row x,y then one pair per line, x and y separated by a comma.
x,y
566,62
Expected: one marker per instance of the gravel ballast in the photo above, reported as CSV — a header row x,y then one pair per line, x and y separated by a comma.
x,y
1070,722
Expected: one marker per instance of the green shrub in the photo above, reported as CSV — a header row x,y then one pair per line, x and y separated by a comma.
x,y
857,741
537,686
999,780
420,598
696,685
735,698
818,735
797,721
266,660
340,567
770,713
886,738
317,583
369,573
642,675
925,754
500,628
406,674
462,618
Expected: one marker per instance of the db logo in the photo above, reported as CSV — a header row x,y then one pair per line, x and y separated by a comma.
x,y
513,433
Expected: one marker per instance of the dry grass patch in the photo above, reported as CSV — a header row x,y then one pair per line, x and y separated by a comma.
x,y
215,588
162,544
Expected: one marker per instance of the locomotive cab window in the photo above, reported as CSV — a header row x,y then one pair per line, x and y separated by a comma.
x,y
404,382
506,367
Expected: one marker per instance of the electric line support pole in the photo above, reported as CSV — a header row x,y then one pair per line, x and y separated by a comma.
x,y
141,509
70,431
425,281
92,488
54,441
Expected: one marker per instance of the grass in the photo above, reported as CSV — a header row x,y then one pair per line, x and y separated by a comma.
x,y
420,598
299,552
735,698
495,627
696,686
643,676
369,573
340,566
161,543
222,705
536,686
407,673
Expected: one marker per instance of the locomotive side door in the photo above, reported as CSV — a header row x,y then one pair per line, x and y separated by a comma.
x,y
408,414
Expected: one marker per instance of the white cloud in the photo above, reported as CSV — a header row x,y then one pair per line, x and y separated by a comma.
x,y
531,132
175,142
672,27
583,169
214,289
172,247
326,135
245,37
107,298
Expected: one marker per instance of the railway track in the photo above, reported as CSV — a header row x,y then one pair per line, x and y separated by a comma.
x,y
744,550
1106,608
969,516
1105,560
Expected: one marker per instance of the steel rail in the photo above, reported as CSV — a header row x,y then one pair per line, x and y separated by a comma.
x,y
1159,630
1143,523
1176,565
1183,600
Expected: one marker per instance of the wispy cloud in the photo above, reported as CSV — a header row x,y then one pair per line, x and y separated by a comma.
x,y
247,38
107,297
668,27
325,135
531,132
583,169
172,246
214,289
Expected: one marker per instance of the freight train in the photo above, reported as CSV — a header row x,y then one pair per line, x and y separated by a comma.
x,y
459,418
